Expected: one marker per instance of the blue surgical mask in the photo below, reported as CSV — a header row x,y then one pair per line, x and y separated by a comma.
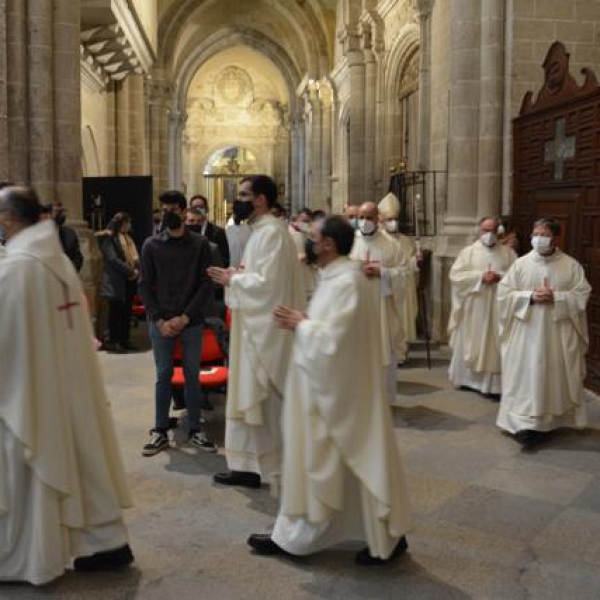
x,y
1,233
354,223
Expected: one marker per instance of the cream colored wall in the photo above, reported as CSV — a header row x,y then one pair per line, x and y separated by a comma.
x,y
147,11
536,25
94,115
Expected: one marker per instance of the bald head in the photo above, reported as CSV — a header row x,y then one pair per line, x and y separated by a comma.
x,y
369,211
351,211
488,224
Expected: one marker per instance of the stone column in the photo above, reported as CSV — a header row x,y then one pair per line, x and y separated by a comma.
x,y
356,134
326,99
370,115
137,160
295,173
175,144
158,94
122,122
491,106
425,8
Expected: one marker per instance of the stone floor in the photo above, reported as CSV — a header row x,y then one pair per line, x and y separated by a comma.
x,y
491,522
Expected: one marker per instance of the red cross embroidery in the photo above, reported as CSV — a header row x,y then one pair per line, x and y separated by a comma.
x,y
68,306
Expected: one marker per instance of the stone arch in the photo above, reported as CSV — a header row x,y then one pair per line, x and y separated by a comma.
x,y
90,160
205,156
315,44
398,59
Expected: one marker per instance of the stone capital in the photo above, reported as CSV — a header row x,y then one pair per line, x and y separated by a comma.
x,y
425,7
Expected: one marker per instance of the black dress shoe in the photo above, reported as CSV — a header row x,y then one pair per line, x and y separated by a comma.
x,y
105,561
242,478
113,348
263,544
364,557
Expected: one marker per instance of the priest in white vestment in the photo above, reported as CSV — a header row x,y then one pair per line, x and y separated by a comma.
x,y
389,211
383,264
259,352
473,325
543,331
342,476
62,482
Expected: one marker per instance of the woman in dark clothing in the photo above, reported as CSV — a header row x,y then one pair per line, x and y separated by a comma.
x,y
118,285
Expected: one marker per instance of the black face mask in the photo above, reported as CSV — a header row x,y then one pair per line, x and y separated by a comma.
x,y
309,250
171,221
60,219
242,210
194,228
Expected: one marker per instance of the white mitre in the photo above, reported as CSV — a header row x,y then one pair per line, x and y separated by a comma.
x,y
389,206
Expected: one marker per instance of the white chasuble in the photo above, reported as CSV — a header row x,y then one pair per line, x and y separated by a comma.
x,y
473,325
259,352
543,345
342,475
62,482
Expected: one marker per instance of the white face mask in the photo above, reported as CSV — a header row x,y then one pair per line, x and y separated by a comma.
x,y
391,226
366,227
489,239
541,244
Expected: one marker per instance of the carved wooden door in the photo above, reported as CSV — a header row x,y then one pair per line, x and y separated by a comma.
x,y
556,173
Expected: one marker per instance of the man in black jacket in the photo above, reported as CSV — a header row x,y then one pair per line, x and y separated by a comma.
x,y
213,232
178,296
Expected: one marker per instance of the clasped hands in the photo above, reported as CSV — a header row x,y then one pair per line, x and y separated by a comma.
x,y
490,277
372,268
543,294
172,327
288,318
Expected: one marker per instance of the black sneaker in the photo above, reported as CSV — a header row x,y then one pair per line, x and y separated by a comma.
x,y
199,440
158,441
109,560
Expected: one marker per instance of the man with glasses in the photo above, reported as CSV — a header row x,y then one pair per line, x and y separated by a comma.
x,y
544,339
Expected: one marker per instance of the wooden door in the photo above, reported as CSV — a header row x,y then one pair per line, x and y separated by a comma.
x,y
556,173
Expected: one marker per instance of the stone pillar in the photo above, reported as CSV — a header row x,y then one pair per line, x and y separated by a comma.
x,y
370,115
491,106
40,119
326,99
356,133
41,98
295,167
175,145
463,131
122,133
425,8
158,95
138,164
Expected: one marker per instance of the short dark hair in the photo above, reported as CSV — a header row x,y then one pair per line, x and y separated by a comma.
x,y
552,224
265,185
4,184
22,202
200,197
46,209
279,210
173,197
318,214
306,211
337,228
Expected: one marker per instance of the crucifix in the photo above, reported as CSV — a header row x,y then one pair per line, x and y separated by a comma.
x,y
67,306
559,149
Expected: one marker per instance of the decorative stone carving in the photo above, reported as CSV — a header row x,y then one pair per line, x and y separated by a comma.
x,y
559,85
234,86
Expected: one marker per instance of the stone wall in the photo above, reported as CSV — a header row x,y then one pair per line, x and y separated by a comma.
x,y
536,25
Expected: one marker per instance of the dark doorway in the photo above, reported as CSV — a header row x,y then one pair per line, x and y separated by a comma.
x,y
103,197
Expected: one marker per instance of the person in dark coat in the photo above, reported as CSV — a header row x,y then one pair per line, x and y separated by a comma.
x,y
118,285
67,236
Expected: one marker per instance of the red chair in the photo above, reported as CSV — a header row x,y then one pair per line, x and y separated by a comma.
x,y
138,310
213,372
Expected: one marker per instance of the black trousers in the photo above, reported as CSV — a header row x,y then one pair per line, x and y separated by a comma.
x,y
119,317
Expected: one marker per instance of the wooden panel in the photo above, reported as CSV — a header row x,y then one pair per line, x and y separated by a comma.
x,y
574,197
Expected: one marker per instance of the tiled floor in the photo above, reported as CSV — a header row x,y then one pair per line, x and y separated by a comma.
x,y
490,521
